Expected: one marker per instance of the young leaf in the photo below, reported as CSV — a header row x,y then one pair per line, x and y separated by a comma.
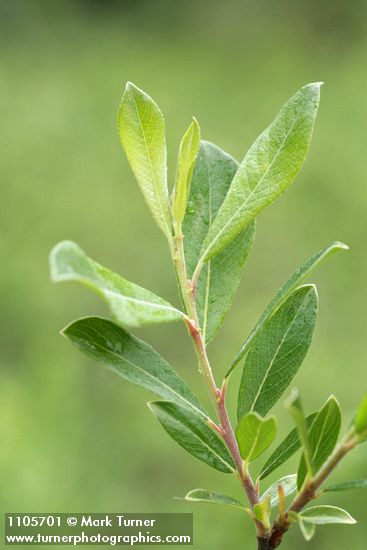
x,y
130,304
269,167
285,450
142,134
190,430
254,435
219,278
278,351
294,406
307,529
189,148
261,512
203,495
360,421
131,358
322,437
347,486
320,515
289,484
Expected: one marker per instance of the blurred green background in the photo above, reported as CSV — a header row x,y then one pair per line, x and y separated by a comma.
x,y
73,436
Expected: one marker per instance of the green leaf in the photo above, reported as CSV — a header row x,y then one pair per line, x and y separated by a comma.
x,y
219,278
320,515
188,151
277,352
130,304
347,486
254,435
360,421
261,512
203,495
269,167
289,484
142,134
307,529
294,406
284,292
285,450
131,358
190,430
322,437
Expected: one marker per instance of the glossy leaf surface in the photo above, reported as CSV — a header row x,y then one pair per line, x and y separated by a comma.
x,y
219,278
284,292
190,430
203,495
131,358
277,352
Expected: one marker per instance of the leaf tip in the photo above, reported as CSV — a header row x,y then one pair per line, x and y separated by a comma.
x,y
53,263
334,400
65,331
153,406
314,85
130,86
131,89
341,246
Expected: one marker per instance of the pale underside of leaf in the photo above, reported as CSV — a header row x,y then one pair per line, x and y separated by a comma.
x,y
284,292
308,530
288,484
277,352
269,167
321,515
131,358
142,134
203,495
130,304
192,432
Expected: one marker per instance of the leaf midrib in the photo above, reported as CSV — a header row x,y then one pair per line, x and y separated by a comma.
x,y
207,286
104,290
109,352
155,184
203,442
252,192
253,447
